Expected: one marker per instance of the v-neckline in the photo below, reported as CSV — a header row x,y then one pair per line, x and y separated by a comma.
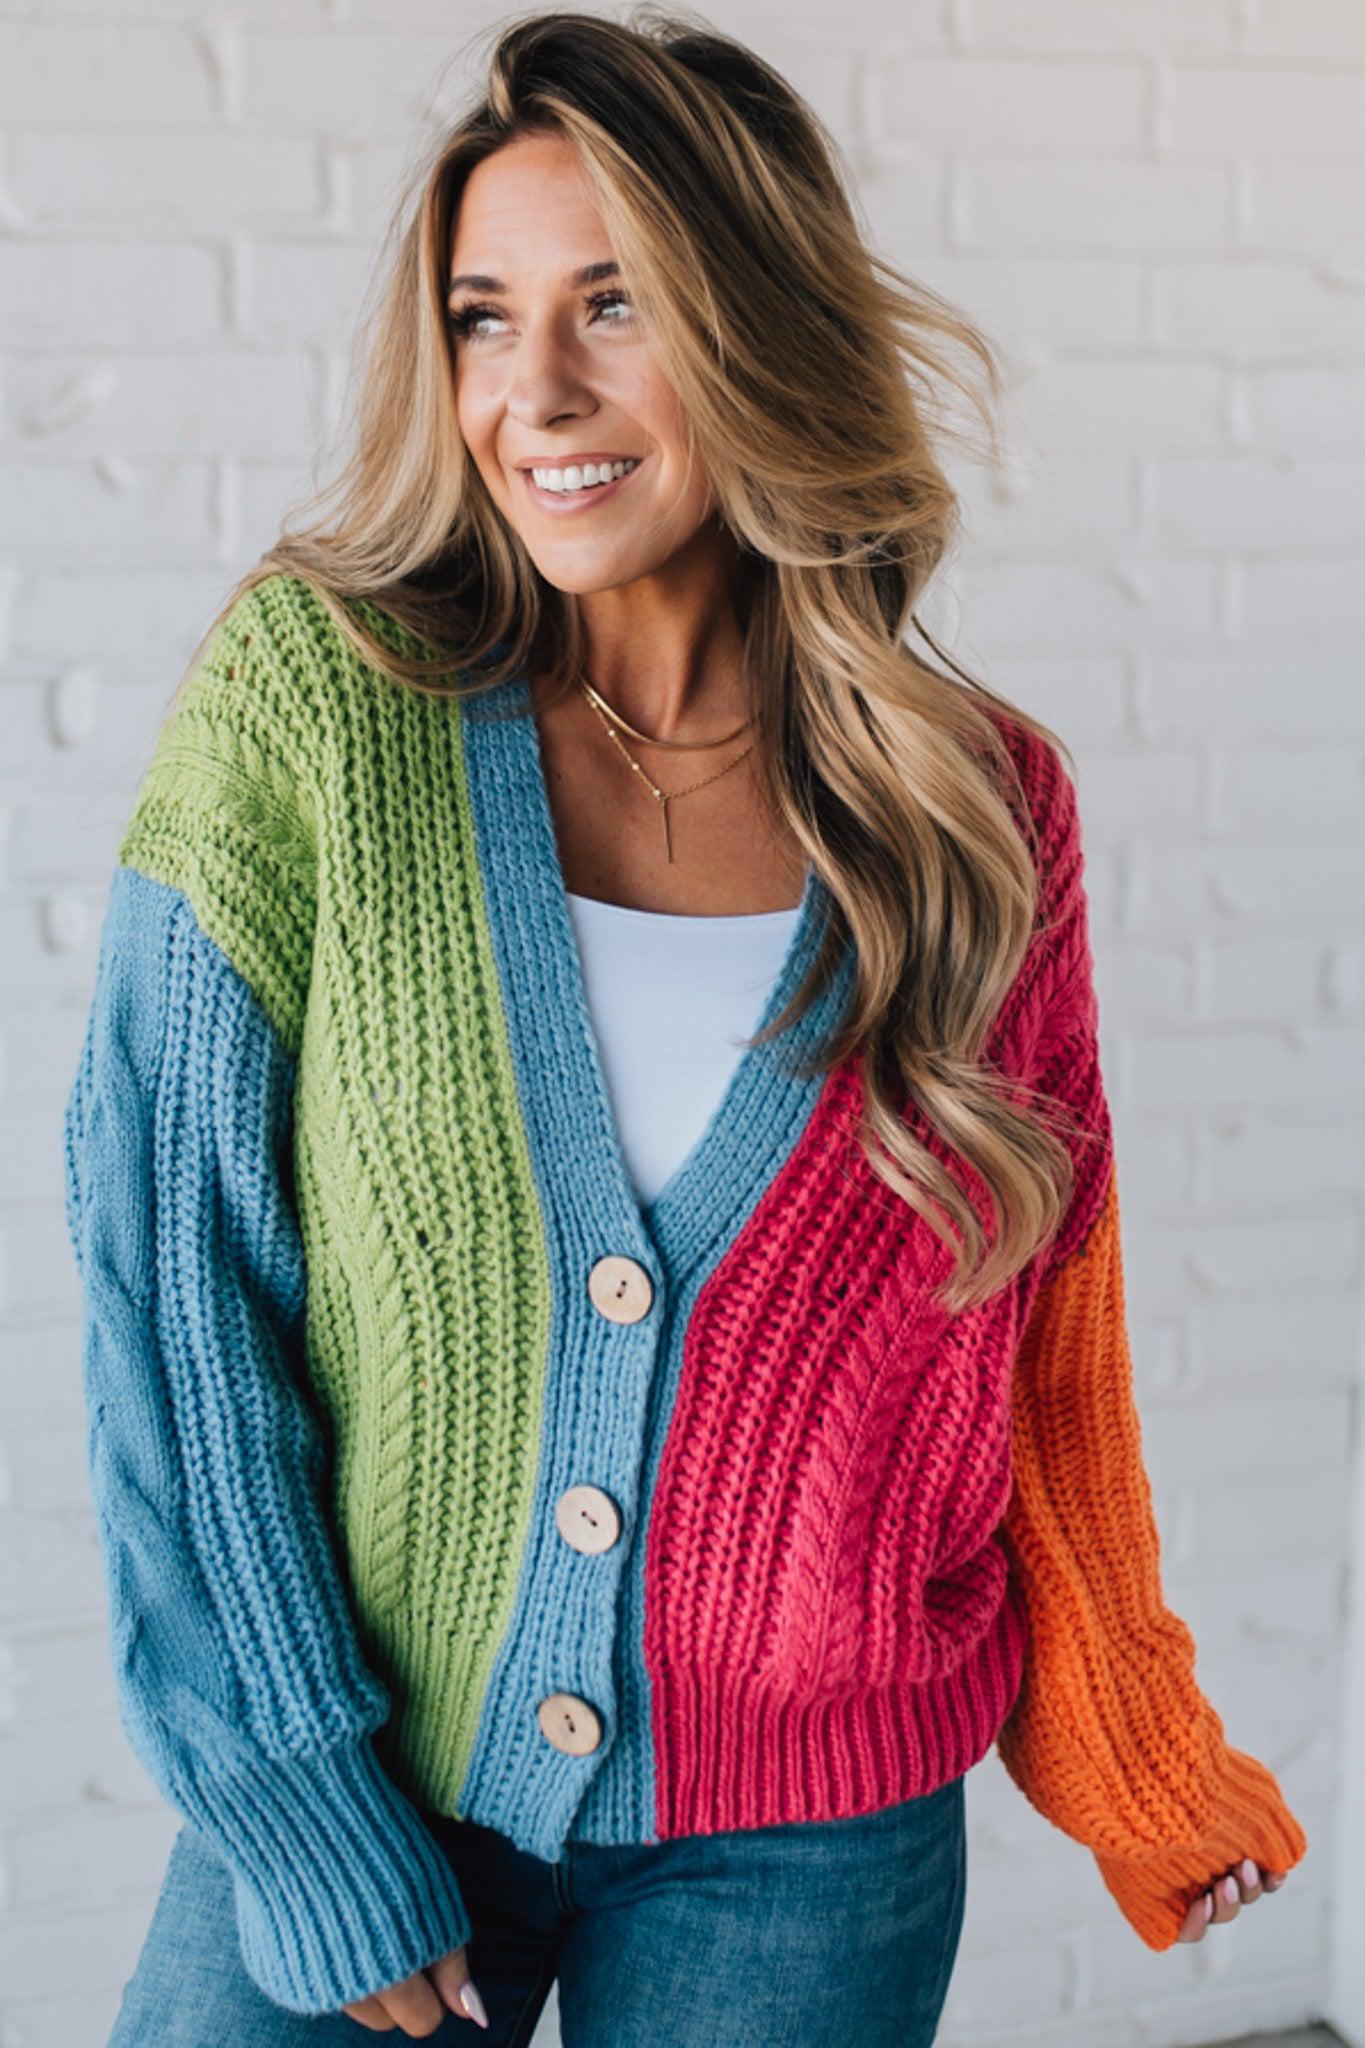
x,y
765,1102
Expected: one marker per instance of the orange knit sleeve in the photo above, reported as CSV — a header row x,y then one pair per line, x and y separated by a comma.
x,y
1111,1738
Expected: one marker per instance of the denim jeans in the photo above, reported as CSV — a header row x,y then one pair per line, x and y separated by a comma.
x,y
777,1937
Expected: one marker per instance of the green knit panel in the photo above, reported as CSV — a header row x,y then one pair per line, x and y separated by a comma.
x,y
222,812
317,815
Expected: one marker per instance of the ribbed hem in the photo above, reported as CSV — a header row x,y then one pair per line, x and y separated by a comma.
x,y
1155,1892
731,1755
341,1887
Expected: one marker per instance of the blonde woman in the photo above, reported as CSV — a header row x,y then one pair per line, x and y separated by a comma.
x,y
605,1347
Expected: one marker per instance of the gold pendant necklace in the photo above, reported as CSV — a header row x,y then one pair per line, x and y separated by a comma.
x,y
661,797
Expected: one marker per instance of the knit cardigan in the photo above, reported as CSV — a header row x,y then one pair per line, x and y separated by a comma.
x,y
339,1165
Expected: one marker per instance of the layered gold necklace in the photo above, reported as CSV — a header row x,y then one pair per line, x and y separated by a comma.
x,y
614,725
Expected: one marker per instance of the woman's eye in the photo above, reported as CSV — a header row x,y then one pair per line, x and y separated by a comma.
x,y
609,298
466,319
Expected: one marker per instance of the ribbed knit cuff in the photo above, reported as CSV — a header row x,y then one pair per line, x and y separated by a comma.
x,y
341,1887
1156,1892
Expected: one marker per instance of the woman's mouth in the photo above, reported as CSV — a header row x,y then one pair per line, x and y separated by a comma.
x,y
574,494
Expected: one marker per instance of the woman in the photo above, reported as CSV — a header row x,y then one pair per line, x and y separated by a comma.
x,y
580,1491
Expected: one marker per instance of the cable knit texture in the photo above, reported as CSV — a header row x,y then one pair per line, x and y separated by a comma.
x,y
340,1160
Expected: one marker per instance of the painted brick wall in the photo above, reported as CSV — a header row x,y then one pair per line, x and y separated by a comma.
x,y
1154,205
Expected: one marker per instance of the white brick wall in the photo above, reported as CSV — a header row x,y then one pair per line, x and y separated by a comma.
x,y
1156,207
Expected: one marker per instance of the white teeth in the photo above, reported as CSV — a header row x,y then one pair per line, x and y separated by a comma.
x,y
584,477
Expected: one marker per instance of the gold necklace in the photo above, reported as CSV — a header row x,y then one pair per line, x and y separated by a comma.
x,y
662,797
606,710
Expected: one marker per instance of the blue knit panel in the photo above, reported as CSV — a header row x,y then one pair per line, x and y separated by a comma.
x,y
240,1679
598,1373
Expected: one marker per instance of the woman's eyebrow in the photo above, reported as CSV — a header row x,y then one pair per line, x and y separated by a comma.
x,y
476,281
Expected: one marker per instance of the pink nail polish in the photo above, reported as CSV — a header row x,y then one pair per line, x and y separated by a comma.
x,y
1208,1905
472,2003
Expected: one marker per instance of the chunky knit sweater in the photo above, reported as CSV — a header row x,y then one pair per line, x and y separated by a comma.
x,y
435,1474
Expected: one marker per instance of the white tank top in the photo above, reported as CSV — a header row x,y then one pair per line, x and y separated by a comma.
x,y
671,996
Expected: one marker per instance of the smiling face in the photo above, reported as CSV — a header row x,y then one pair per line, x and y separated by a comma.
x,y
553,369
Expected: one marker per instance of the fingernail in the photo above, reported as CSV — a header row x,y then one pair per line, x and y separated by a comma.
x,y
1230,1891
472,2003
1208,1905
1250,1874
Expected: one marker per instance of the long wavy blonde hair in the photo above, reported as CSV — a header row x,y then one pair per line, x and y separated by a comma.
x,y
817,382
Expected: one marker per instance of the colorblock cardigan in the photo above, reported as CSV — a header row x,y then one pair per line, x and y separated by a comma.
x,y
339,1162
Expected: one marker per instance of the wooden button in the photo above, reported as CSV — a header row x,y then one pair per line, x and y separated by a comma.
x,y
587,1518
569,1723
621,1289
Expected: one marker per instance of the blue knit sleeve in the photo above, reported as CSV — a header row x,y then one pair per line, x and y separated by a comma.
x,y
240,1681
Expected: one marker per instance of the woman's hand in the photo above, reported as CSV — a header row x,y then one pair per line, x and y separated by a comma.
x,y
420,2002
1225,1899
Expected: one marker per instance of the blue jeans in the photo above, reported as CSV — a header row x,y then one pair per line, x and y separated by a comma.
x,y
777,1937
